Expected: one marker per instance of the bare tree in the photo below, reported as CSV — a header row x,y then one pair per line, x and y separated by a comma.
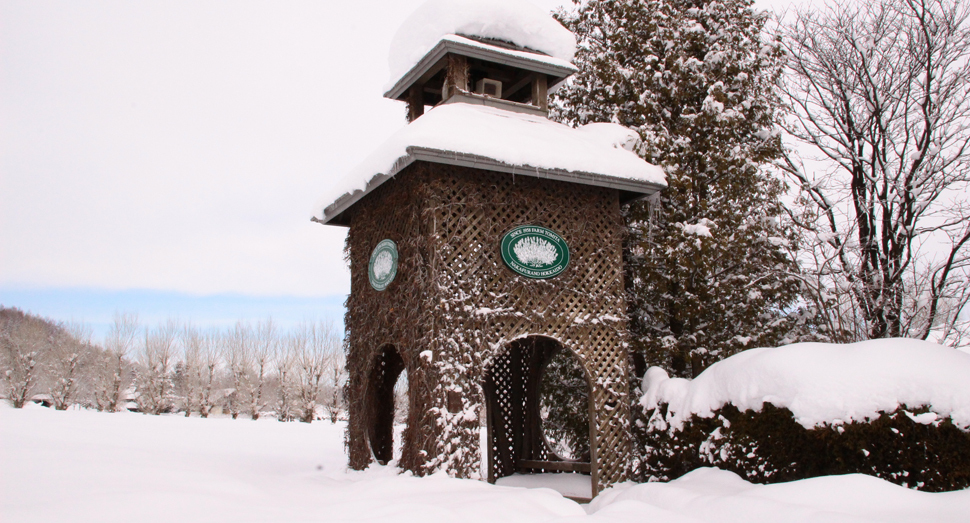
x,y
70,350
334,371
265,339
284,361
191,341
882,91
236,350
206,371
155,358
401,398
23,342
321,343
112,376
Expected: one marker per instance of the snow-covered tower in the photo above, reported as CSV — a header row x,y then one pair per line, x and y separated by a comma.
x,y
485,238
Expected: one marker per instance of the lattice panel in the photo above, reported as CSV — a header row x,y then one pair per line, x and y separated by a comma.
x,y
583,307
454,296
508,380
399,316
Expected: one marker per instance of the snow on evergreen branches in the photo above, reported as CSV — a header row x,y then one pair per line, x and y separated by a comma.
x,y
697,82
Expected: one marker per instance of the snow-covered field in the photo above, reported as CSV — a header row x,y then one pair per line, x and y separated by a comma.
x,y
83,466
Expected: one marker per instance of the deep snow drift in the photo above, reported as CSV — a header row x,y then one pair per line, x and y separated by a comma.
x,y
84,466
824,383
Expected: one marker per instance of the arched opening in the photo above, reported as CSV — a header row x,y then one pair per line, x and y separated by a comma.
x,y
384,397
564,407
532,393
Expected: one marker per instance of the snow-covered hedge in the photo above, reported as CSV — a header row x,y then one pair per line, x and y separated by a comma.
x,y
896,409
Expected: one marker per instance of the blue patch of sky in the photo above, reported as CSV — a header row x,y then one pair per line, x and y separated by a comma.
x,y
96,307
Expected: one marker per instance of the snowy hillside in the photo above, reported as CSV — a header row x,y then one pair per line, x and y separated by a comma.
x,y
84,466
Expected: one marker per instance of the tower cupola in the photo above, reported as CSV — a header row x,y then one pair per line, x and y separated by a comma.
x,y
485,241
512,64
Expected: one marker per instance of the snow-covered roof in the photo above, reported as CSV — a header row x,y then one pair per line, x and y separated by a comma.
x,y
515,21
431,61
505,141
825,384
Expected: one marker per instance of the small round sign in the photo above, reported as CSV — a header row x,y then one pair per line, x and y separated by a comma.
x,y
535,252
383,265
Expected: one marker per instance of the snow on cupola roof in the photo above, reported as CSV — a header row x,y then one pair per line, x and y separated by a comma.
x,y
500,140
478,64
535,37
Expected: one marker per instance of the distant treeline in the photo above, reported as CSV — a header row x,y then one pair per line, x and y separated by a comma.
x,y
250,369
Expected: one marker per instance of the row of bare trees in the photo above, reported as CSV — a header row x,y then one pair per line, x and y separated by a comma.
x,y
251,370
879,94
37,354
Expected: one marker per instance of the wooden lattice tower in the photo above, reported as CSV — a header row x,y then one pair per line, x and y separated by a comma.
x,y
471,333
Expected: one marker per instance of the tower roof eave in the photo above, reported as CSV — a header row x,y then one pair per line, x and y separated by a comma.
x,y
629,190
433,61
499,140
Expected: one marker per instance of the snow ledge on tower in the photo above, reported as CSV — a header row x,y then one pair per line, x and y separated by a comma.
x,y
499,140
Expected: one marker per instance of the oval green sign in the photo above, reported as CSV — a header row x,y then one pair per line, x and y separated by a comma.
x,y
383,265
535,252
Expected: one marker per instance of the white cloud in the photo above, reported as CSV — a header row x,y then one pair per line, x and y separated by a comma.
x,y
180,145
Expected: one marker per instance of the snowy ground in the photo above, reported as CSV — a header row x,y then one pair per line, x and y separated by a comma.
x,y
83,466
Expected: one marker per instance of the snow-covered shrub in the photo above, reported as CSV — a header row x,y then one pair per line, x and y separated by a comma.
x,y
769,446
895,409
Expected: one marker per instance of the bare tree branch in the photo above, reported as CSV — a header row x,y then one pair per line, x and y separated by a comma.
x,y
882,92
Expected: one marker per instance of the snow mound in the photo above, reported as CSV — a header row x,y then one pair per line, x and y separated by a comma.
x,y
124,467
515,21
613,135
576,485
824,384
713,495
519,139
701,228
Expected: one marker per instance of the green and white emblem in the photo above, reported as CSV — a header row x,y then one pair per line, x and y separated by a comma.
x,y
535,252
383,265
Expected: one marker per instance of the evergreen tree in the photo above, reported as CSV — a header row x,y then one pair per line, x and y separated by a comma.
x,y
710,270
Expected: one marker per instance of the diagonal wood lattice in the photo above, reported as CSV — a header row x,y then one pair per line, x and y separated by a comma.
x,y
455,311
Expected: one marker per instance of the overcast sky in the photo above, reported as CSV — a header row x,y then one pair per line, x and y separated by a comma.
x,y
174,148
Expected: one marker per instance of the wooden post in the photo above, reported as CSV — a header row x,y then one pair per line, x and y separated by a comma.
x,y
415,102
456,77
540,92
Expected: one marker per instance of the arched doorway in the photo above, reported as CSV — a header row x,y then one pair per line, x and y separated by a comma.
x,y
564,407
524,431
381,408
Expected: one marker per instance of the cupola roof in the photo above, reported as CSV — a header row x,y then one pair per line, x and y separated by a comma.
x,y
499,140
494,23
